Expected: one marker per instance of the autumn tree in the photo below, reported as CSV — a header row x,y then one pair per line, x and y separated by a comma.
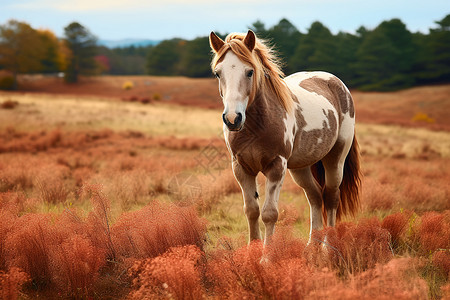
x,y
21,49
82,45
52,59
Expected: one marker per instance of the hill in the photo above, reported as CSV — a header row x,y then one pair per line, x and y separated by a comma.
x,y
127,43
425,106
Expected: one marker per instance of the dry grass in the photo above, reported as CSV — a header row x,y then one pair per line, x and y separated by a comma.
x,y
153,196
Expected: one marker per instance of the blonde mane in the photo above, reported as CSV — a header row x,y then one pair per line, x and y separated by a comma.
x,y
268,74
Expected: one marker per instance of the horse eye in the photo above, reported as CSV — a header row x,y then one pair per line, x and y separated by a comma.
x,y
250,73
217,75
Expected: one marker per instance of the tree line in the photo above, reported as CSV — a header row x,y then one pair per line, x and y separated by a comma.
x,y
387,57
24,49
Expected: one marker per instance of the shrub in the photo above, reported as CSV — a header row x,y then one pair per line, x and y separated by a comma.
x,y
127,85
156,96
75,267
155,228
357,247
441,259
28,247
11,282
422,117
398,279
50,184
396,224
7,220
173,275
434,232
9,104
145,100
6,83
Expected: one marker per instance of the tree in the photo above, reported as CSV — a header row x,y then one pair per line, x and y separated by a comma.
x,y
164,59
346,46
21,49
316,50
196,58
52,55
286,37
82,45
439,40
386,57
259,28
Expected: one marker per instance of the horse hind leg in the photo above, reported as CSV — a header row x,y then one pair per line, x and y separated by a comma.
x,y
333,164
305,179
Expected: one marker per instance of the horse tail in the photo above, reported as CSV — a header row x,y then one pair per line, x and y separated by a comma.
x,y
350,186
351,183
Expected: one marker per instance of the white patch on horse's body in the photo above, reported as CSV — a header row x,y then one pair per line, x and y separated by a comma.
x,y
290,128
312,105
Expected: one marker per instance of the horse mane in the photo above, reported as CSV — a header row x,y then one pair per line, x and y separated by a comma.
x,y
267,67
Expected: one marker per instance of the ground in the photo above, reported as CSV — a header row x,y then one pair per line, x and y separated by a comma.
x,y
94,156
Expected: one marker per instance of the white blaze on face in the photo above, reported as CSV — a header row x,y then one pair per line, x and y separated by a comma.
x,y
234,85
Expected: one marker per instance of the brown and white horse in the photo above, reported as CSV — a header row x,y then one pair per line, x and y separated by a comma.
x,y
304,123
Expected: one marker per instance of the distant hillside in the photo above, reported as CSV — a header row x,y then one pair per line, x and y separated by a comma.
x,y
127,43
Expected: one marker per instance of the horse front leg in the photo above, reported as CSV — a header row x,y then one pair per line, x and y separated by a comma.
x,y
250,194
274,181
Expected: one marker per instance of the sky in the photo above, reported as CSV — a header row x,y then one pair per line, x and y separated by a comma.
x,y
158,20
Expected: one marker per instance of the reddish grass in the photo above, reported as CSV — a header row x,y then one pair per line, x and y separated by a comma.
x,y
174,274
75,265
155,228
398,279
434,231
87,254
28,246
163,242
50,185
396,224
11,283
441,259
405,184
358,247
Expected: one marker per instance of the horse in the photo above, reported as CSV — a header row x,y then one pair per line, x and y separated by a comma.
x,y
304,123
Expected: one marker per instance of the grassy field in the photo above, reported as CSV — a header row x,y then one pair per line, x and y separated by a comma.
x,y
106,198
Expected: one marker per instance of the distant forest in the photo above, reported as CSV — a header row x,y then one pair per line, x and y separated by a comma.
x,y
387,57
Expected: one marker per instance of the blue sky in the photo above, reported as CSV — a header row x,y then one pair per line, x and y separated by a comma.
x,y
118,19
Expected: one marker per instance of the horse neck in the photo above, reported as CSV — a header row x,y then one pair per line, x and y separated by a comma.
x,y
265,108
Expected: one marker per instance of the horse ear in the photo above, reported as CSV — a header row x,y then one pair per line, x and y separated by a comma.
x,y
250,40
215,42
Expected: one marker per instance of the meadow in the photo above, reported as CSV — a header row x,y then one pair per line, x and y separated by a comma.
x,y
114,192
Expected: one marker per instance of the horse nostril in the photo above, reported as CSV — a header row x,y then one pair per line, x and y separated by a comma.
x,y
238,118
225,119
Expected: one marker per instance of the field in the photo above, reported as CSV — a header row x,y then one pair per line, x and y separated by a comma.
x,y
107,193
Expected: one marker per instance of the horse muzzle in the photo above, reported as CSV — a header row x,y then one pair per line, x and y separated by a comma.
x,y
233,121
